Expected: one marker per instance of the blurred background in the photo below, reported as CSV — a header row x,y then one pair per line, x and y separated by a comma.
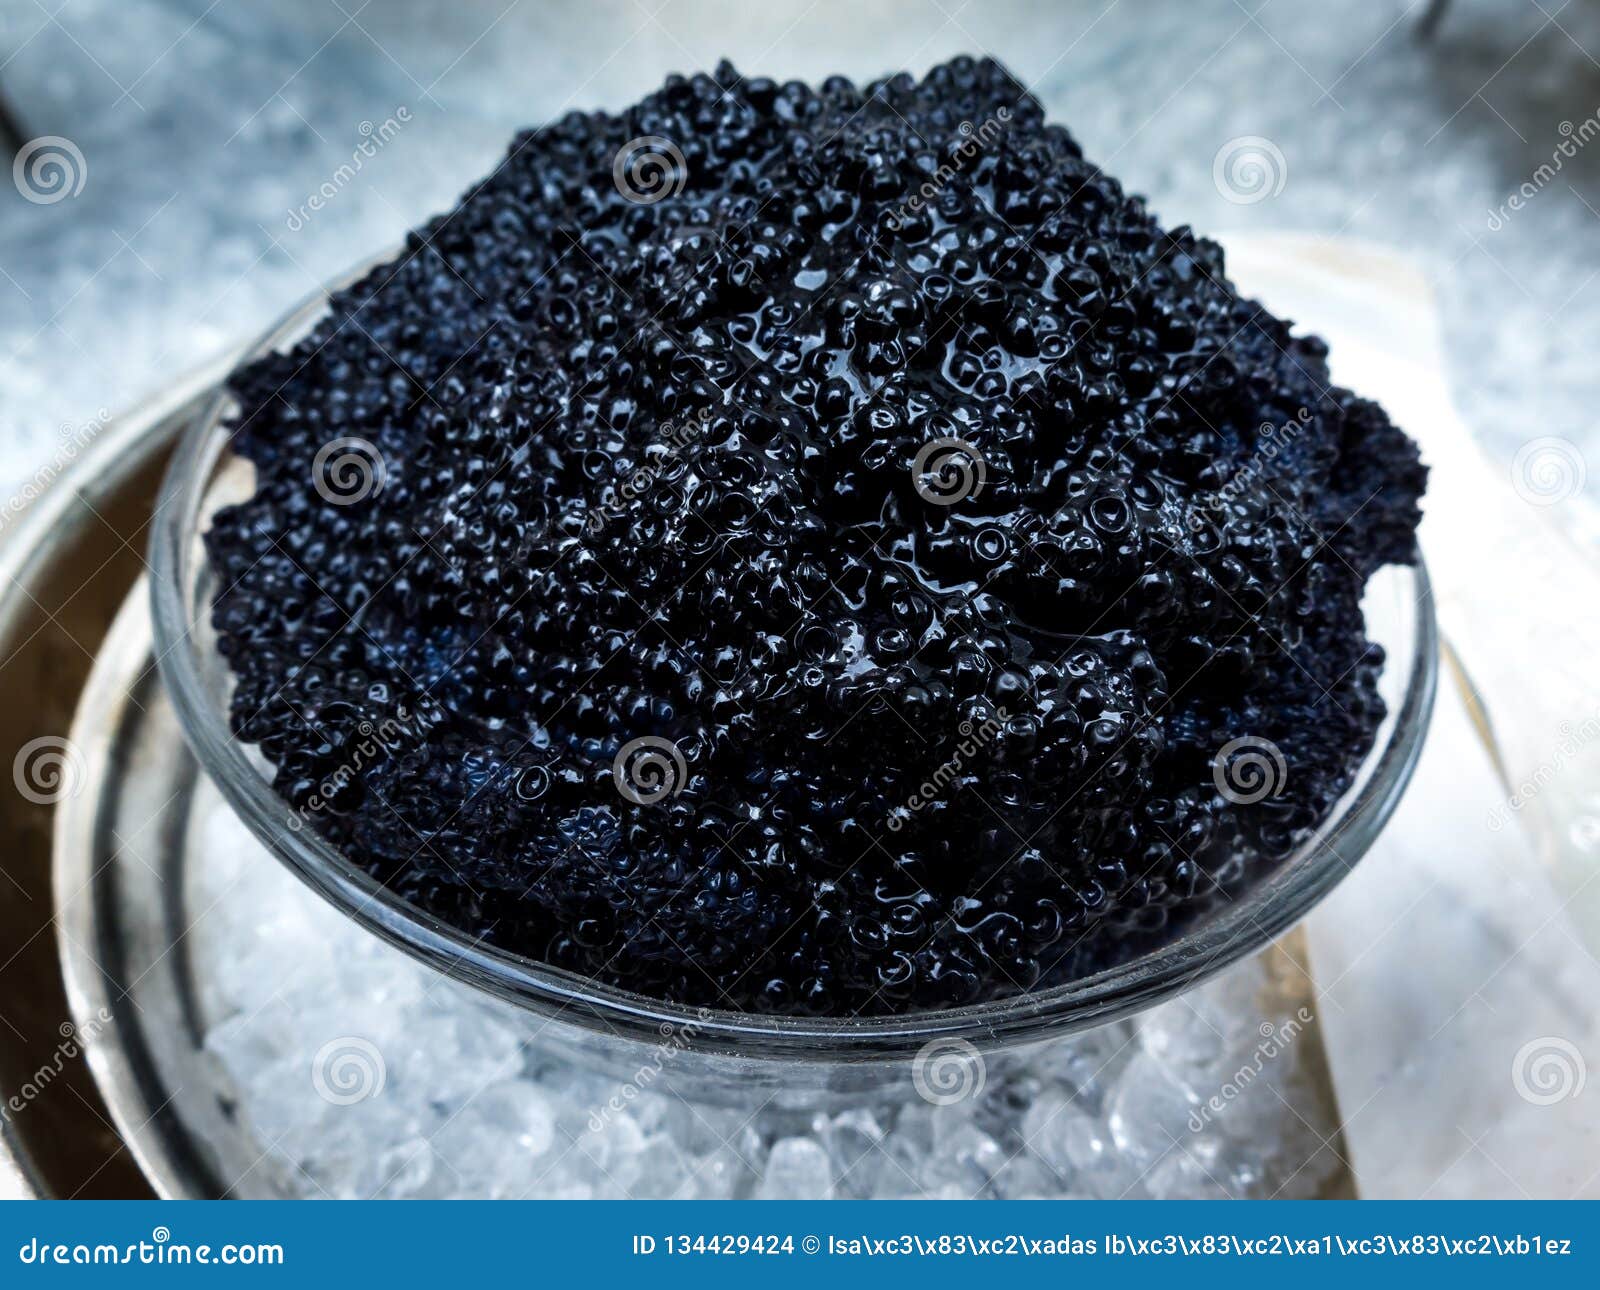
x,y
184,170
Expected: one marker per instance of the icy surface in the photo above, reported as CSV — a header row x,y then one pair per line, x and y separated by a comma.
x,y
362,1073
206,129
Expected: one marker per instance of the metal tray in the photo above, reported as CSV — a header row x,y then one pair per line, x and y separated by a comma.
x,y
66,564
125,903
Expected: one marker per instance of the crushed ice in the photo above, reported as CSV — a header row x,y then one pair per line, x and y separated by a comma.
x,y
362,1073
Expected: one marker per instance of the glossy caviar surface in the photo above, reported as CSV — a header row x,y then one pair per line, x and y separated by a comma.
x,y
816,551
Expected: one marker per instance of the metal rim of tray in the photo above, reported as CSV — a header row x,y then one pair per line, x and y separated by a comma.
x,y
36,553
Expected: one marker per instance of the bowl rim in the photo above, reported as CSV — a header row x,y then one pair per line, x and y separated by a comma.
x,y
1271,906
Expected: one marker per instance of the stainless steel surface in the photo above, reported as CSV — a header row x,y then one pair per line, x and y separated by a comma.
x,y
123,901
65,566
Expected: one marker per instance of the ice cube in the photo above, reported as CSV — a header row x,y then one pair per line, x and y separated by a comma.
x,y
797,1169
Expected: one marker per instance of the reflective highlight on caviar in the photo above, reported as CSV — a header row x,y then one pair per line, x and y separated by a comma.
x,y
825,587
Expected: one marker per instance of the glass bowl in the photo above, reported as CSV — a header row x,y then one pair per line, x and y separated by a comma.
x,y
612,1025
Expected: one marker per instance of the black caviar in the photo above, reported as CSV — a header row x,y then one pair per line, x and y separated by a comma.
x,y
814,551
